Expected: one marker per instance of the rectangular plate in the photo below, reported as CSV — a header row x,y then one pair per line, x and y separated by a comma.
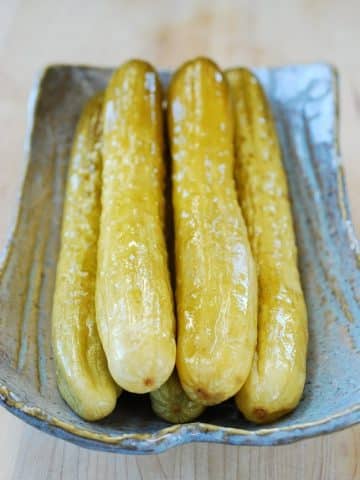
x,y
304,100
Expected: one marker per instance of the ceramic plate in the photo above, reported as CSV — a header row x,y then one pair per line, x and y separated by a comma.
x,y
304,100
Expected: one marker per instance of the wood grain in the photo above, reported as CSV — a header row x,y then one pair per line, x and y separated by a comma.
x,y
35,33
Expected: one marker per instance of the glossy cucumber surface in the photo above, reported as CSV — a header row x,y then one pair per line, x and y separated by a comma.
x,y
134,301
216,290
277,378
83,377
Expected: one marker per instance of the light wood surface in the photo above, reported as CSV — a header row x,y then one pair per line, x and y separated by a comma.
x,y
34,33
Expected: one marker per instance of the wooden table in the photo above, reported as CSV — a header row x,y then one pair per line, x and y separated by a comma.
x,y
34,33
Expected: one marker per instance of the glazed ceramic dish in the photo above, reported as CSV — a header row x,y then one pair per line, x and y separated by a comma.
x,y
304,100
